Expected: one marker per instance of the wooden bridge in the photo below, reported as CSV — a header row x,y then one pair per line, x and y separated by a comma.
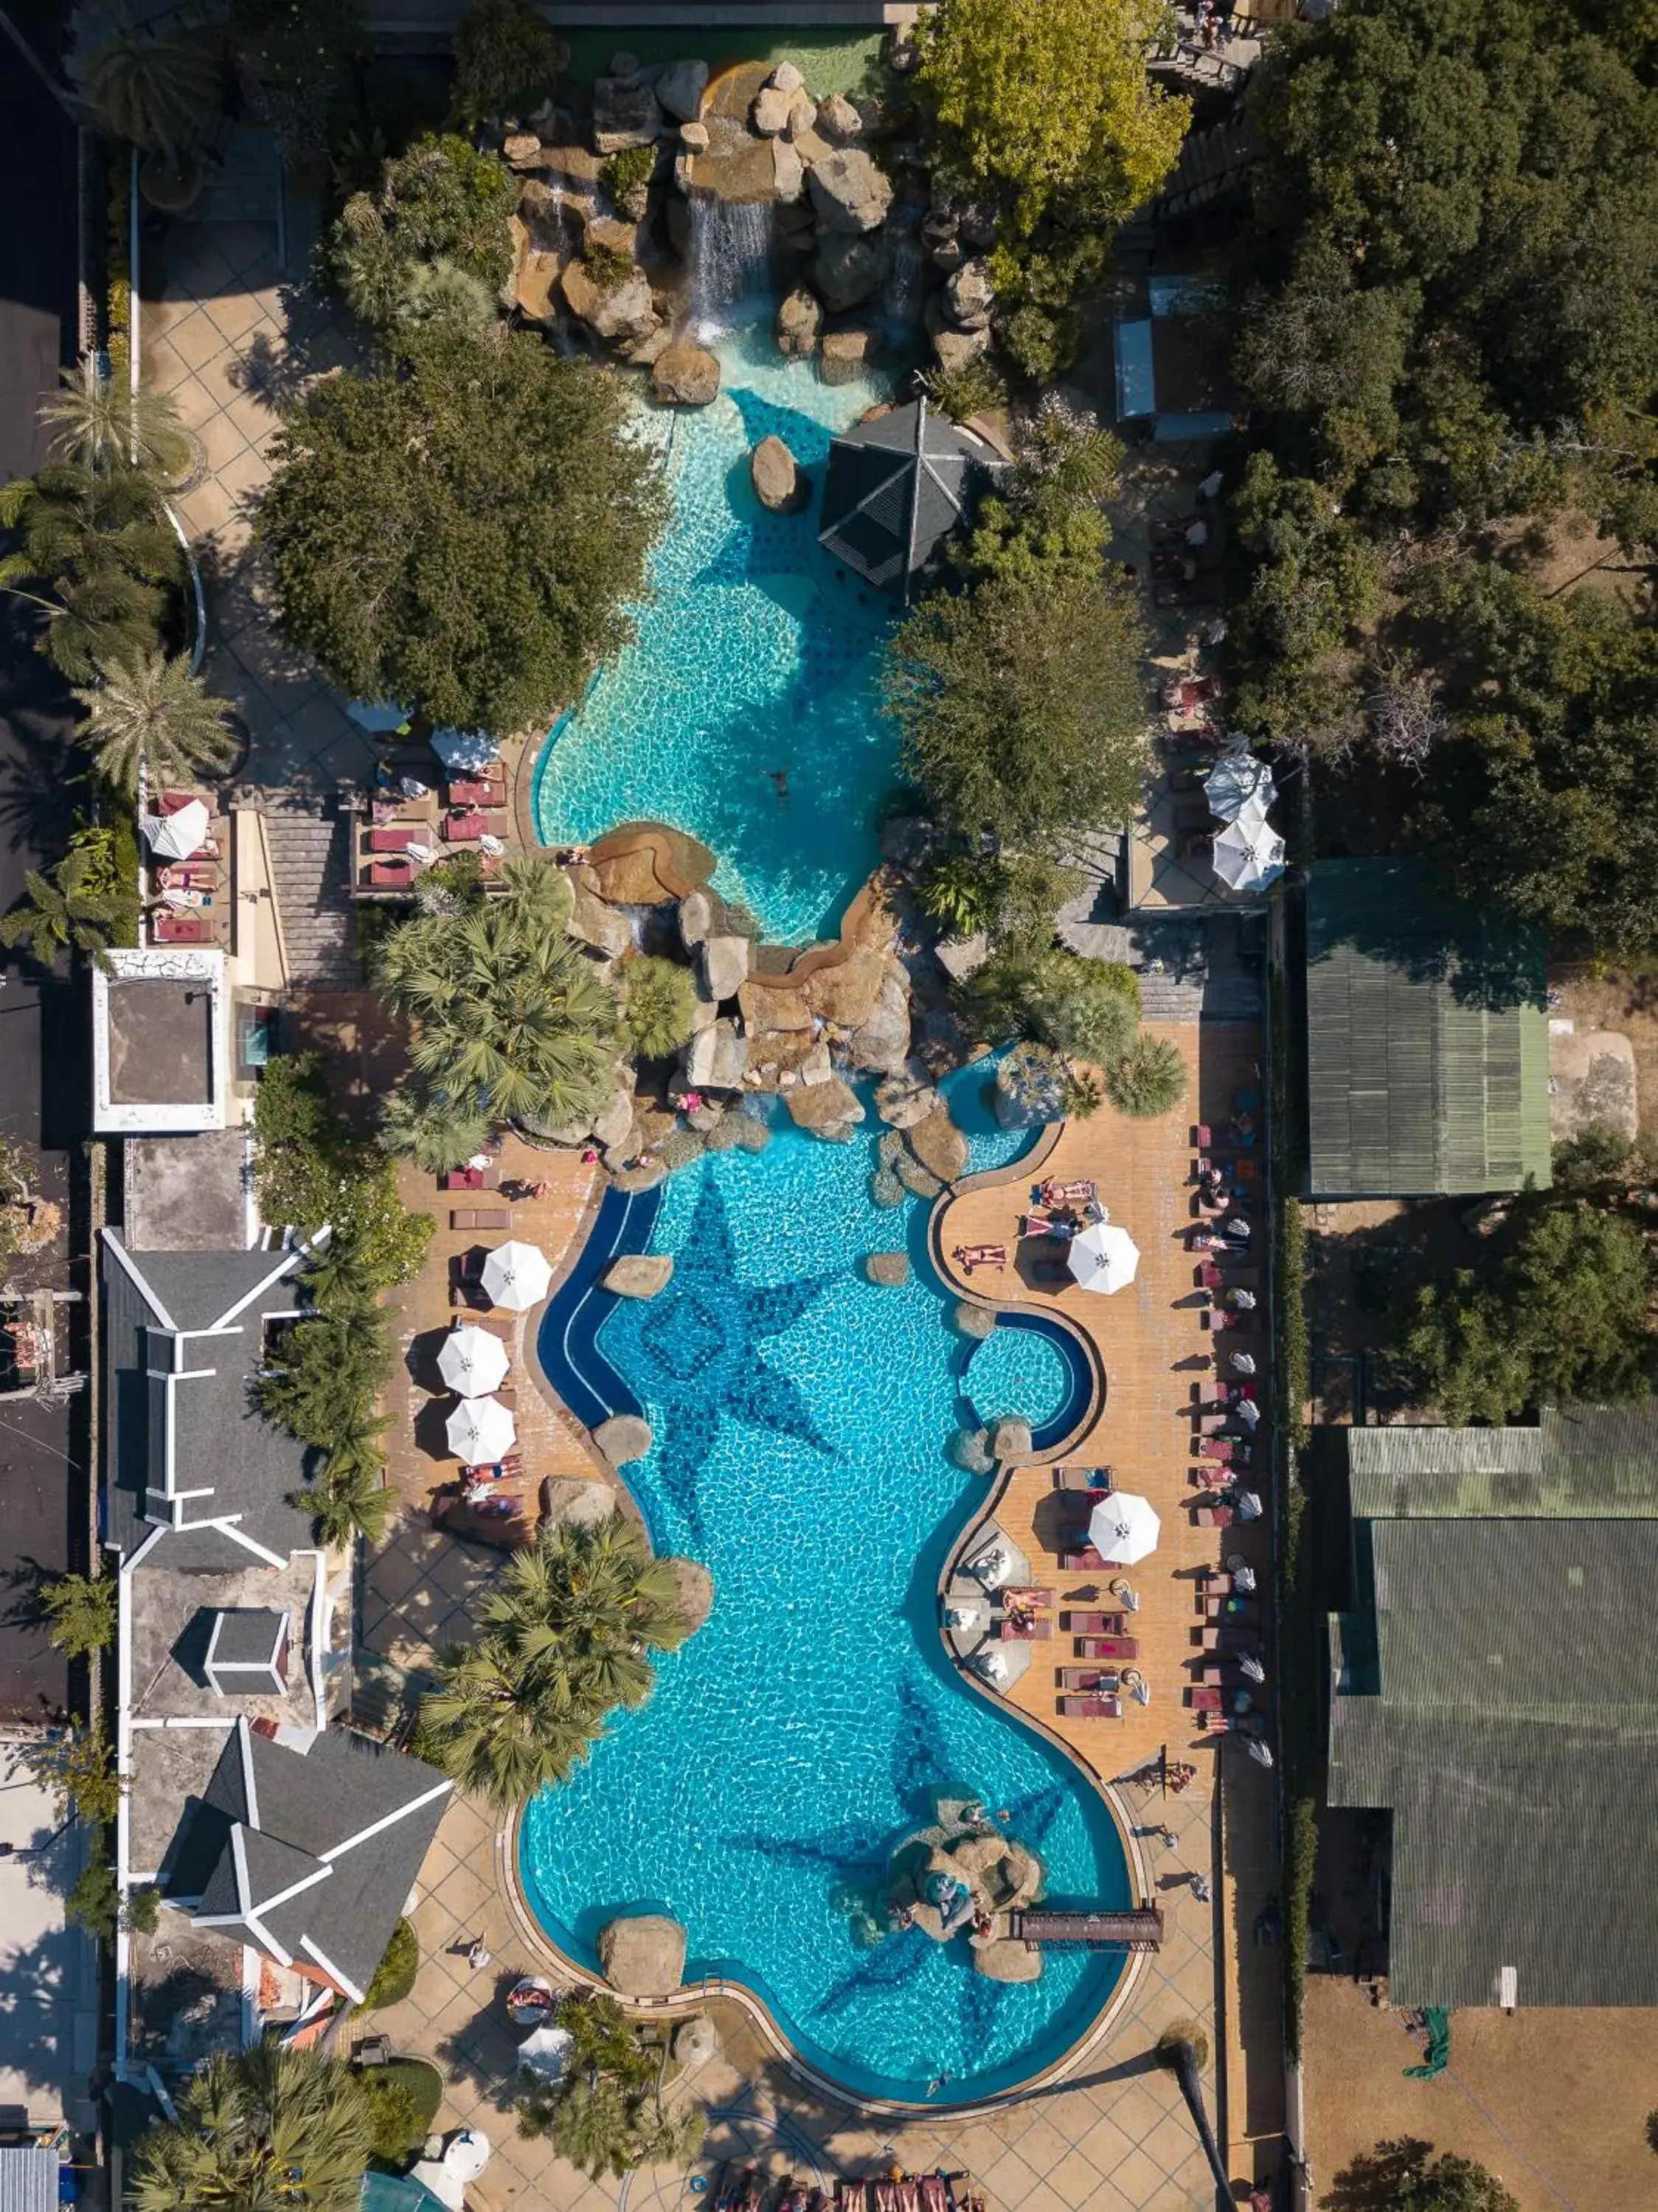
x,y
1140,1929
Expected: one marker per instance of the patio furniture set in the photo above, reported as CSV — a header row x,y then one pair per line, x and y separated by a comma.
x,y
189,903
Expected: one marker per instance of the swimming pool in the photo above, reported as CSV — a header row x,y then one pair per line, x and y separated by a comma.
x,y
800,1417
754,661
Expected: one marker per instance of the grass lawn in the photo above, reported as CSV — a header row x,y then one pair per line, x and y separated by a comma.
x,y
830,61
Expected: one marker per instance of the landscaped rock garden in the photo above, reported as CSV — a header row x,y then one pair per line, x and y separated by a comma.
x,y
962,1875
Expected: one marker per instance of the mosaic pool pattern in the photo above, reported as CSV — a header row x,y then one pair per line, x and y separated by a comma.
x,y
753,661
800,1417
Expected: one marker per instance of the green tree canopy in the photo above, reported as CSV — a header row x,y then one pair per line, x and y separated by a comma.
x,y
264,2127
1405,2176
95,552
506,58
1087,1009
462,528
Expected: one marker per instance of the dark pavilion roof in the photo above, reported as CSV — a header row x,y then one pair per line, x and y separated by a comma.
x,y
897,490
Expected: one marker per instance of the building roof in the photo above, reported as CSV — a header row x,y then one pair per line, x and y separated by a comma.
x,y
1492,1690
1427,1038
309,1854
160,1040
897,490
28,2179
187,1450
1584,1462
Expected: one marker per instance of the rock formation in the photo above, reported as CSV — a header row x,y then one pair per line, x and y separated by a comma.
x,y
778,483
639,1274
890,1270
848,192
800,320
686,376
623,1437
642,1955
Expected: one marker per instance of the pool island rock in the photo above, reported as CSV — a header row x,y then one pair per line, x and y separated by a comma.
x,y
963,1875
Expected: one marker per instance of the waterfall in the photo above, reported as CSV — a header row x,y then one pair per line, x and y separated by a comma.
x,y
901,295
730,260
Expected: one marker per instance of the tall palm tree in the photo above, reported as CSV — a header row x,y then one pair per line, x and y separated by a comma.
x,y
349,1498
568,1631
507,1010
101,424
95,538
65,908
160,94
263,2128
149,710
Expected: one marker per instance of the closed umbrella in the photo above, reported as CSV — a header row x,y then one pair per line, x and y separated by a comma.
x,y
473,1361
1248,854
1123,1528
480,1430
1238,780
1103,1257
464,749
517,1275
378,716
175,836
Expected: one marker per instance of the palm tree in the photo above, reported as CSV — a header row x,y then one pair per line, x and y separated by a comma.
x,y
567,1634
69,911
150,711
96,539
100,424
507,1010
435,1132
658,1004
1184,2049
594,2127
349,1498
160,94
264,2127
1150,1078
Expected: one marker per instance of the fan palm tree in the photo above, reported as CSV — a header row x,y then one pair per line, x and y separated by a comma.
x,y
63,909
266,2127
160,94
1150,1078
436,1131
568,1631
507,1010
96,540
102,424
150,711
658,1006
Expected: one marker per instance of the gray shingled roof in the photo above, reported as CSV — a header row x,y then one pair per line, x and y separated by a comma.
x,y
1427,1038
1493,1692
897,490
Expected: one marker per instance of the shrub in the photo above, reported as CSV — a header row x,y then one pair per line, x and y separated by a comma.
x,y
659,1001
1084,1008
608,265
962,393
80,1612
962,893
144,1909
1300,1855
400,1962
1150,1078
93,1900
506,59
625,171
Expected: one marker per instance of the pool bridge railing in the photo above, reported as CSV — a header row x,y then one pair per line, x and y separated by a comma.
x,y
1140,1929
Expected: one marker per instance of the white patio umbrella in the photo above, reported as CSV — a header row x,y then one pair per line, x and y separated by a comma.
x,y
466,2154
464,748
176,836
1123,1528
517,1275
1103,1257
473,1361
545,2051
378,716
1236,780
1248,855
480,1430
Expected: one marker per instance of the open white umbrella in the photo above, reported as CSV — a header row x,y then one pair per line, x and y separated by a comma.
x,y
1104,1257
517,1275
466,2154
1123,1528
1236,780
473,1361
175,836
378,716
545,2051
464,748
1247,856
480,1430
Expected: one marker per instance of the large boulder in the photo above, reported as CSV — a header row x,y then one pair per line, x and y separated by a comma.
x,y
639,1274
693,1588
938,1144
623,311
695,915
829,1108
1004,1960
800,130
889,1270
846,356
770,1006
679,90
567,1503
845,992
962,957
623,1437
848,192
969,295
788,172
724,965
614,1125
717,1058
1010,1439
906,1097
778,483
786,78
770,114
881,1044
686,376
955,350
800,320
839,120
625,113
592,922
847,270
642,1955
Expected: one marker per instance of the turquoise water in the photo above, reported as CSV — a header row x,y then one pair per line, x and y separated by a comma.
x,y
1019,1372
800,1417
752,660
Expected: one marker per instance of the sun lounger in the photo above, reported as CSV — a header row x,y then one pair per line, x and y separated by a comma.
x,y
1233,1723
1230,1639
1094,1708
397,836
389,875
1093,1624
1213,1517
1085,1562
476,1217
934,2196
1033,1631
1021,1594
478,790
1240,1610
1108,1647
181,929
1208,1475
1100,1681
487,1178
1204,1701
461,827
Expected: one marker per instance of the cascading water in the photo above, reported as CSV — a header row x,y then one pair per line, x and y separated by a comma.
x,y
901,294
730,260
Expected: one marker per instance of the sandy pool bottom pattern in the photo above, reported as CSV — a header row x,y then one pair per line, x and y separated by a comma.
x,y
800,1417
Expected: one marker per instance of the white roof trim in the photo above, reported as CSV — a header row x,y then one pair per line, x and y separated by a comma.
x,y
328,1966
239,1859
112,1240
228,1522
250,1789
290,1260
426,1797
294,1888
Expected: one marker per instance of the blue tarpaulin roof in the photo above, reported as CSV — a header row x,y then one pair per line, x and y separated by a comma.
x,y
1137,385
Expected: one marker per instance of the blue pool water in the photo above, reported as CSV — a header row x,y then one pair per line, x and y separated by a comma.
x,y
1021,1371
801,1418
753,660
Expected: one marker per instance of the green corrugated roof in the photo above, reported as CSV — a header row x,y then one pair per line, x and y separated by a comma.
x,y
1427,1037
1581,1462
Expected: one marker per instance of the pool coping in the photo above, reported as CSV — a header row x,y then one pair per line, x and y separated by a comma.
x,y
685,2001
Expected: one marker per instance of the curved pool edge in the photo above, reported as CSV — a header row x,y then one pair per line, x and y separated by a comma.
x,y
693,1996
